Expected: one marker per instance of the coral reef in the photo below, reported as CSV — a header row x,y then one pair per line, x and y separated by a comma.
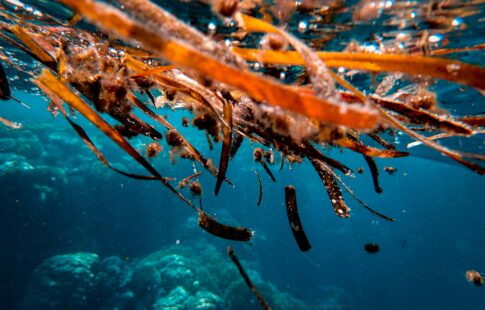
x,y
173,278
63,281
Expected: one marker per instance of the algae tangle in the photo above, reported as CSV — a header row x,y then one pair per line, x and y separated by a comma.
x,y
232,108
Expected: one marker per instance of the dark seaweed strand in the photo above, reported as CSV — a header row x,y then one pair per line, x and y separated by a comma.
x,y
209,142
260,198
82,133
381,141
268,171
333,190
236,143
294,218
374,171
209,224
4,88
226,146
245,276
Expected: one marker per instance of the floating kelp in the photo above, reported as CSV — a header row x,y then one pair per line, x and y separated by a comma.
x,y
143,59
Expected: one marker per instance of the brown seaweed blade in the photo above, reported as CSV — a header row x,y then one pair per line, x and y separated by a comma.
x,y
84,136
441,68
294,218
226,146
246,278
262,89
213,227
420,116
33,46
374,172
57,87
334,193
260,197
13,125
237,141
357,146
258,157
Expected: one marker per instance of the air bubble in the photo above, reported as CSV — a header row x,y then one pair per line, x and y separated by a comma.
x,y
302,26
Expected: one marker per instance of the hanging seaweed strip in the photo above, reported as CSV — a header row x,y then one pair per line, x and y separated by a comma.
x,y
410,64
61,90
374,172
420,116
80,131
33,46
84,136
357,146
226,146
294,218
381,141
160,119
258,155
213,227
260,197
4,87
245,276
333,190
383,216
236,143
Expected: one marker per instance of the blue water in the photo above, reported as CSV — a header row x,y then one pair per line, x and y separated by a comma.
x,y
56,199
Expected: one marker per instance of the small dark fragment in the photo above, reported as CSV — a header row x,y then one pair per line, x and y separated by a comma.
x,y
174,138
195,188
245,276
390,170
213,227
185,121
360,170
294,218
371,248
153,149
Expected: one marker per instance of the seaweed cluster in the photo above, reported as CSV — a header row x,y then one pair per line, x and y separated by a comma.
x,y
260,78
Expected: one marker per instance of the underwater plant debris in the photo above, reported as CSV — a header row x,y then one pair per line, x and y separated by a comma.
x,y
294,82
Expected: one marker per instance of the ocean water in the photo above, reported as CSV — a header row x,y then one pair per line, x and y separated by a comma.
x,y
76,235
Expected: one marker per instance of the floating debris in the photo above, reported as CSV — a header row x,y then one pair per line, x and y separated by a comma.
x,y
474,277
390,170
371,248
209,224
153,149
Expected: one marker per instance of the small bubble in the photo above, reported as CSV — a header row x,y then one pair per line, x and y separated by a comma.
x,y
302,26
212,27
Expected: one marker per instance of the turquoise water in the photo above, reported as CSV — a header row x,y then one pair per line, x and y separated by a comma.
x,y
76,235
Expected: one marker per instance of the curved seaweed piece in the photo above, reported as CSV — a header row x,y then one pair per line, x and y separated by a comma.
x,y
294,219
